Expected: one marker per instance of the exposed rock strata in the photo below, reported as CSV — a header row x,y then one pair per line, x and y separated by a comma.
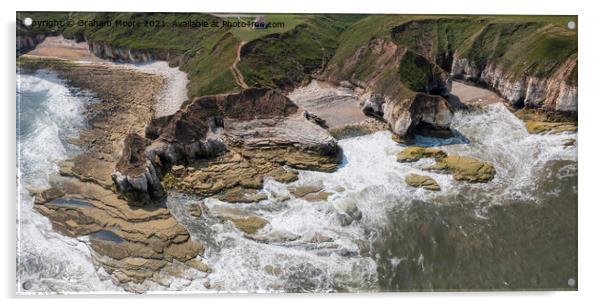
x,y
234,141
538,122
131,243
135,177
245,222
28,42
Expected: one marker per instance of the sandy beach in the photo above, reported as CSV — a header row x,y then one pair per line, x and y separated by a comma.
x,y
169,99
465,94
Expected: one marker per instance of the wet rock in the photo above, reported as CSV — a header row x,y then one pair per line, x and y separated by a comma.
x,y
415,153
274,236
419,181
340,189
234,141
246,222
196,211
272,270
347,211
315,119
568,142
320,196
465,168
541,122
538,127
138,242
198,264
131,243
311,193
301,191
364,127
320,238
240,195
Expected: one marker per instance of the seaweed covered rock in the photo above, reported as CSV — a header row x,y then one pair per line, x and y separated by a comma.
x,y
420,181
415,153
465,168
245,222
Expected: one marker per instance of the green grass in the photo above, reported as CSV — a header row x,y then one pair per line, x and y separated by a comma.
x,y
415,71
282,23
282,57
284,60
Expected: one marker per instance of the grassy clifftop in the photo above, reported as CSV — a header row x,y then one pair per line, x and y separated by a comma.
x,y
286,59
520,45
404,50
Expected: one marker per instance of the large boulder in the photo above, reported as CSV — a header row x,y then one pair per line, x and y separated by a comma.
x,y
465,168
415,153
406,117
420,181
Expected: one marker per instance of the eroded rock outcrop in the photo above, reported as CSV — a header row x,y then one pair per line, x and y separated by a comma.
x,y
135,176
402,88
407,116
232,141
134,242
130,242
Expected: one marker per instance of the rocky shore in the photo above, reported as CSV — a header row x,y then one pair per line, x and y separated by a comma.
x,y
222,142
131,243
222,145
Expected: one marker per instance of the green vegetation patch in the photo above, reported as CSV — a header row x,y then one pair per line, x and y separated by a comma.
x,y
415,71
286,59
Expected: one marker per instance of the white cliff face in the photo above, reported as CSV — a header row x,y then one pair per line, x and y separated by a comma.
x,y
121,54
552,93
29,42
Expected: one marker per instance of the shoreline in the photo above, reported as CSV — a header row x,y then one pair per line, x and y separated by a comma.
x,y
125,104
169,100
87,176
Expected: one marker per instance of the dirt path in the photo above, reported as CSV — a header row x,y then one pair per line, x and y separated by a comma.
x,y
240,79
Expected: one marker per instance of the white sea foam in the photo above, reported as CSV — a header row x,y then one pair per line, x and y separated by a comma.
x,y
375,182
292,259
